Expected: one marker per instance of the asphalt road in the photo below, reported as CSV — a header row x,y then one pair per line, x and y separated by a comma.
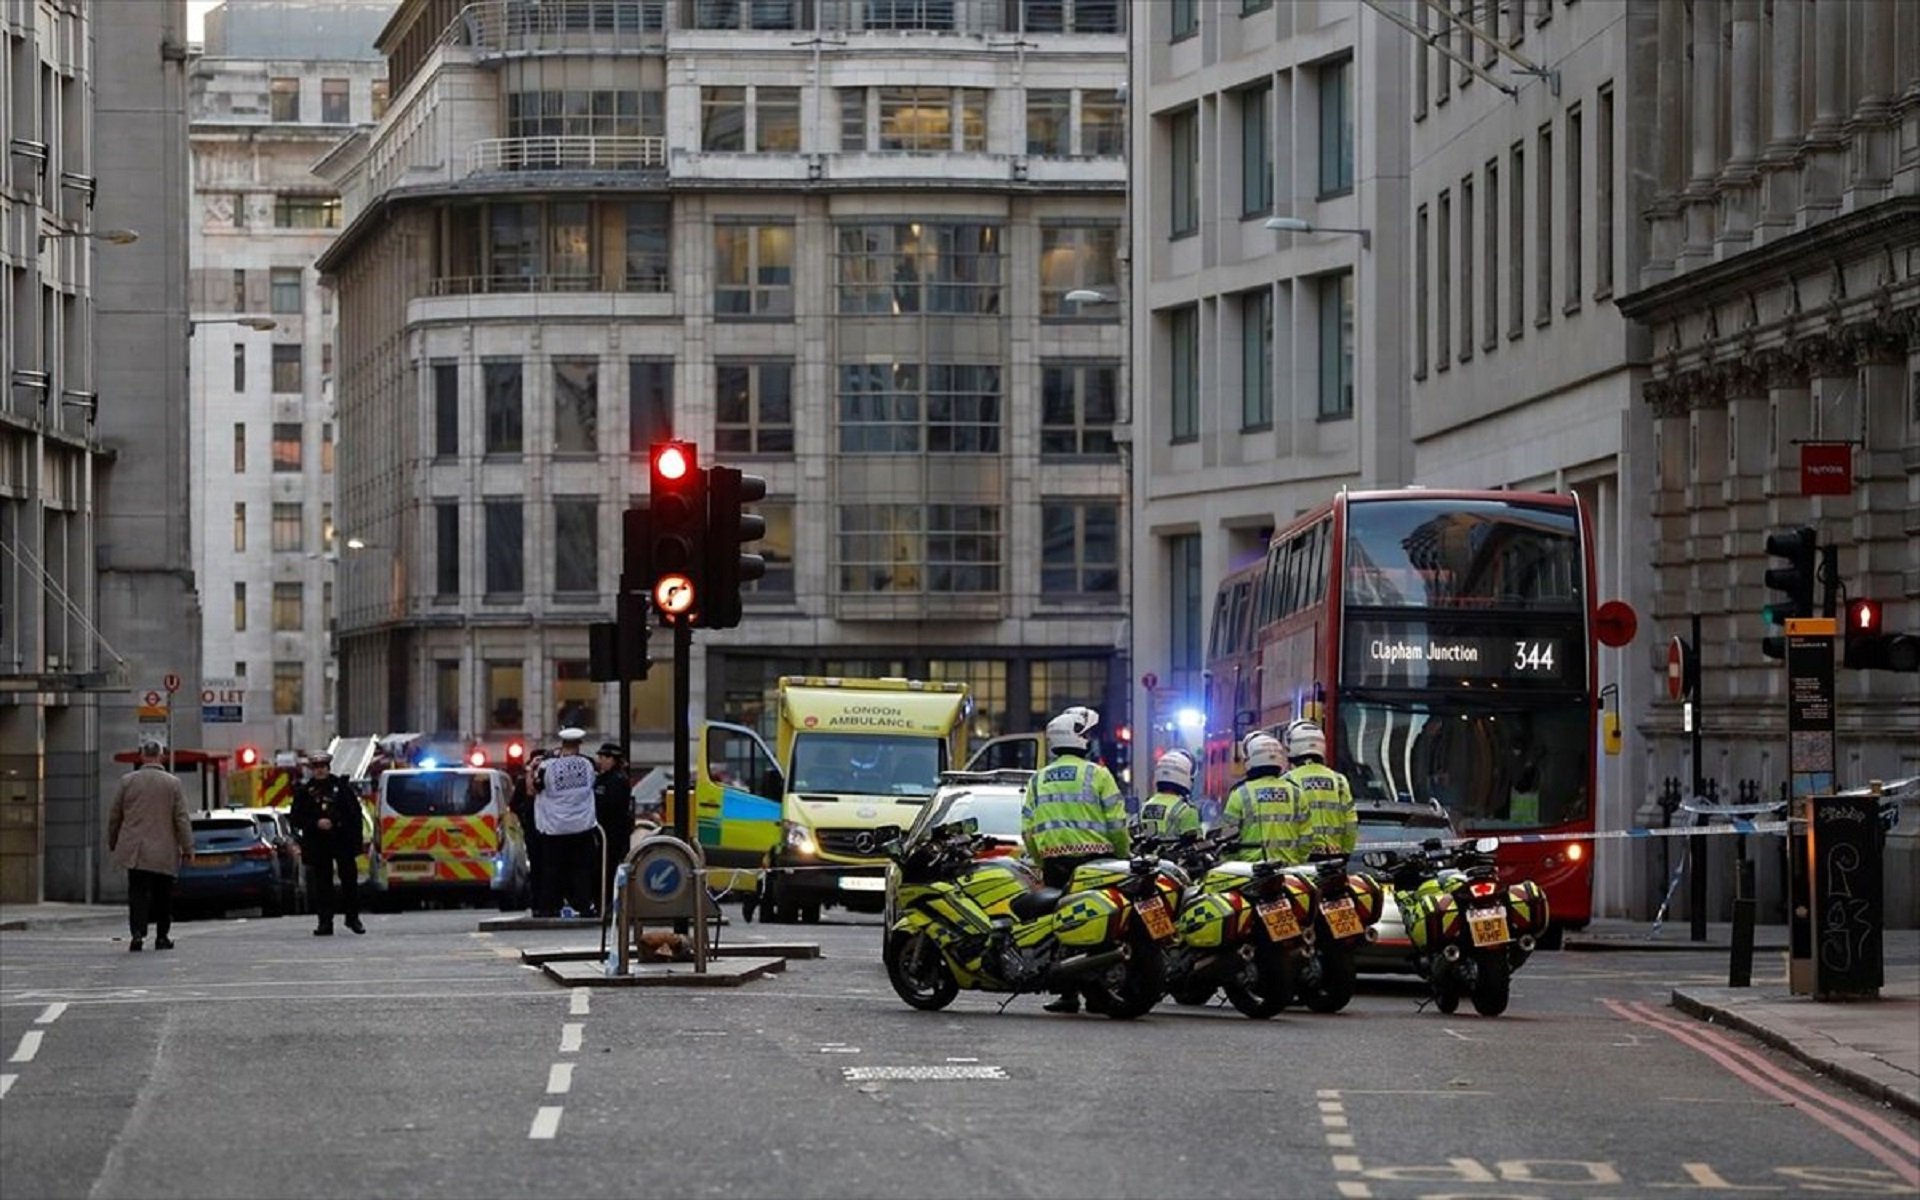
x,y
426,1060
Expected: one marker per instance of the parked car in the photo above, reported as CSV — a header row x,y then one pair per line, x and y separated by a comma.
x,y
276,825
990,797
1394,822
234,865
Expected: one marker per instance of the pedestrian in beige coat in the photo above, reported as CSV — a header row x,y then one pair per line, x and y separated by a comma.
x,y
148,833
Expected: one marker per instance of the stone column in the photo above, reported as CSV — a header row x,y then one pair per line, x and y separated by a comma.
x,y
1825,159
1881,481
1671,441
1874,127
1779,162
1663,211
1701,195
1835,410
1740,178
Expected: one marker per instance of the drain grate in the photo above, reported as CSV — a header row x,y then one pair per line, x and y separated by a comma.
x,y
868,1074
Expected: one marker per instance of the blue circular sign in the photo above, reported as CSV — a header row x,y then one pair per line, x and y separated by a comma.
x,y
660,878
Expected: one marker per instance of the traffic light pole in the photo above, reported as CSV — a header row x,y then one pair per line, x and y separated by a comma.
x,y
682,728
1697,844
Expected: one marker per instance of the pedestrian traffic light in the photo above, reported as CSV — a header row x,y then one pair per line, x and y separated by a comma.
x,y
677,520
728,528
1869,647
1798,546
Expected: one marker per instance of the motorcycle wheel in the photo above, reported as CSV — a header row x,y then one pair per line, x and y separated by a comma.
x,y
1143,980
1491,985
919,974
1338,976
1446,1000
1276,975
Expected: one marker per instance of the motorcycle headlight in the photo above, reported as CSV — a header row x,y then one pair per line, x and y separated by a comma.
x,y
800,838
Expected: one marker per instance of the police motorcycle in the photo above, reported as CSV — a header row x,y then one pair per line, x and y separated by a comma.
x,y
988,925
1346,911
1469,931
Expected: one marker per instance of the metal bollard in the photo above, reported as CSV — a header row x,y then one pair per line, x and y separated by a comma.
x,y
1740,962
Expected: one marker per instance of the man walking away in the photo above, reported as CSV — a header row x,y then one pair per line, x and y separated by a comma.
x,y
563,811
148,833
613,810
327,815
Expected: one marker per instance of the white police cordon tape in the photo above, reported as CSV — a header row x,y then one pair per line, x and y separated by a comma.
x,y
1737,825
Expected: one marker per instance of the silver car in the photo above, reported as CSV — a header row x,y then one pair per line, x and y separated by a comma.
x,y
1382,823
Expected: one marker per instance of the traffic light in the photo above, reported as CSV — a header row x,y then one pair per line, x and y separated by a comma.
x,y
516,753
1798,546
246,756
1869,647
677,504
476,758
728,528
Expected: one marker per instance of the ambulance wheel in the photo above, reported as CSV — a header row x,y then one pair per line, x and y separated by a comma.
x,y
919,974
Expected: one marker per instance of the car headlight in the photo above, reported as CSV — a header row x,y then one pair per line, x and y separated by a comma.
x,y
800,838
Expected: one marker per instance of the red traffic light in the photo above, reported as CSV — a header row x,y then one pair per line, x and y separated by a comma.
x,y
1863,617
516,751
671,461
247,756
476,757
1124,733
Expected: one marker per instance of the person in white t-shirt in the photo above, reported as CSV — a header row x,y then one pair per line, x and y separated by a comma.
x,y
563,814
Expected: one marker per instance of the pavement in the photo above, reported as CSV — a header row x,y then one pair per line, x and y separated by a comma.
x,y
54,913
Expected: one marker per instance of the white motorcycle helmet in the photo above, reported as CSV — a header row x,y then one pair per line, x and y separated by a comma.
x,y
1175,769
1263,750
1069,731
1305,738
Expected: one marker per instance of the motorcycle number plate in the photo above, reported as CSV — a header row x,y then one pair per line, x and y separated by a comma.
x,y
1342,920
1153,910
1489,926
1281,924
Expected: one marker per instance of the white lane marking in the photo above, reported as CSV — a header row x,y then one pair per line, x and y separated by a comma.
x,y
29,1046
577,1006
963,1060
546,1122
837,1048
1328,1093
6,1083
1353,1187
861,1074
559,1079
193,997
1456,1033
1412,1092
1332,1106
1348,1164
1340,1141
52,1014
1333,1121
570,1037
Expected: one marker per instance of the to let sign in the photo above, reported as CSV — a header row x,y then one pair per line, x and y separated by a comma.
x,y
1826,468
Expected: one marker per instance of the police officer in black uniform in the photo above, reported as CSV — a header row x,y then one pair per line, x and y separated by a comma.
x,y
327,815
612,811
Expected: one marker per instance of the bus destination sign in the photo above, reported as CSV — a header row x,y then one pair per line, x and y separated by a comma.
x,y
1381,654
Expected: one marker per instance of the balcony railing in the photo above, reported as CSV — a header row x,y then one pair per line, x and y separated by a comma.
x,y
653,282
530,26
567,153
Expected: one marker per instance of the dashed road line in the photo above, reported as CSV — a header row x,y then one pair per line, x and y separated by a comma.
x,y
6,1083
1333,1118
546,1123
29,1046
578,1005
921,1074
52,1013
570,1037
559,1079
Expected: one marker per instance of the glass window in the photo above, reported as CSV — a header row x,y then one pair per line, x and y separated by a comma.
x,y
286,297
1256,359
240,527
776,548
1603,193
880,548
506,548
326,526
446,408
1184,614
753,407
649,402
649,265
1050,121
963,409
446,545
879,408
335,102
239,447
916,118
853,118
963,548
1078,406
576,545
446,695
289,607
1185,18
723,118
1543,216
1103,123
753,269
239,367
286,367
289,689
973,120
1463,554
1086,258
576,405
1422,293
1183,364
239,606
1466,269
326,447
505,693
576,696
1256,150
1336,128
1443,284
570,247
1575,193
1476,761
283,95
1079,549
239,289
1183,135
289,526
1336,345
513,243
776,118
899,269
380,109
306,212
286,446
964,276
501,378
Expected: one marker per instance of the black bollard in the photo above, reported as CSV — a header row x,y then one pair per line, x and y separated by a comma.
x,y
1740,963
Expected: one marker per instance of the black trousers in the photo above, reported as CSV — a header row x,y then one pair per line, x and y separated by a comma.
x,y
569,874
320,873
149,898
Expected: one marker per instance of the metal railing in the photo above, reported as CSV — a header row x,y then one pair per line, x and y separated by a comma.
x,y
568,153
651,283
520,26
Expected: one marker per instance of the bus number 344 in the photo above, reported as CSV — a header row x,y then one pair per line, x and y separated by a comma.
x,y
1533,656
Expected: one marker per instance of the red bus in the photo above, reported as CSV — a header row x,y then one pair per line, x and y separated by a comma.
x,y
1445,641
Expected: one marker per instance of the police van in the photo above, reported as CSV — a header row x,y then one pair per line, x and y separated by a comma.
x,y
448,832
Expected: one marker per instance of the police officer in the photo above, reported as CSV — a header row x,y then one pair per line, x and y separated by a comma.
x,y
1169,812
1263,810
1072,812
612,811
1325,796
326,812
563,811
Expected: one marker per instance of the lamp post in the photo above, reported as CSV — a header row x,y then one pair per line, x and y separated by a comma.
x,y
113,237
1302,225
262,324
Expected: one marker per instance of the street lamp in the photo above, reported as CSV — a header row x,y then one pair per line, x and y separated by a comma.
x,y
114,237
263,324
1301,225
1089,296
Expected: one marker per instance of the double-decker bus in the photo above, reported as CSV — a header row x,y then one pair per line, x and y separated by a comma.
x,y
1445,641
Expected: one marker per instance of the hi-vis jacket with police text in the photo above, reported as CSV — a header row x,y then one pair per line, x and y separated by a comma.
x,y
1269,818
1326,800
1167,814
1073,807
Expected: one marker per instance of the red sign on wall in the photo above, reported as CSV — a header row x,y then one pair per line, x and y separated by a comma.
x,y
1826,468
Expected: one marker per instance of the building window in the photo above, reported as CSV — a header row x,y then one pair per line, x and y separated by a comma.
x,y
505,693
576,546
1183,339
900,269
283,97
1079,549
446,549
239,447
1576,230
582,113
1516,240
1336,128
506,548
963,409
1466,268
335,105
446,408
326,526
380,109
1422,63
576,405
576,696
501,381
287,450
1183,136
289,608
326,448
1250,7
1078,406
753,271
239,210
753,407
1070,16
1256,359
1490,239
649,402
1603,195
1543,232
1103,123
775,123
239,289
1422,296
285,294
881,406
1050,121
289,527
853,119
446,694
1256,150
923,119
723,119
239,367
1185,19
649,254
963,548
240,527
306,212
286,367
1080,258
289,688
239,606
776,547
1336,344
880,548
1183,609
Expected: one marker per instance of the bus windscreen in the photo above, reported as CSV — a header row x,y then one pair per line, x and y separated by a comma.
x,y
1463,554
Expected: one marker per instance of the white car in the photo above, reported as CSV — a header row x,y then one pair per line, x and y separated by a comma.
x,y
1384,822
